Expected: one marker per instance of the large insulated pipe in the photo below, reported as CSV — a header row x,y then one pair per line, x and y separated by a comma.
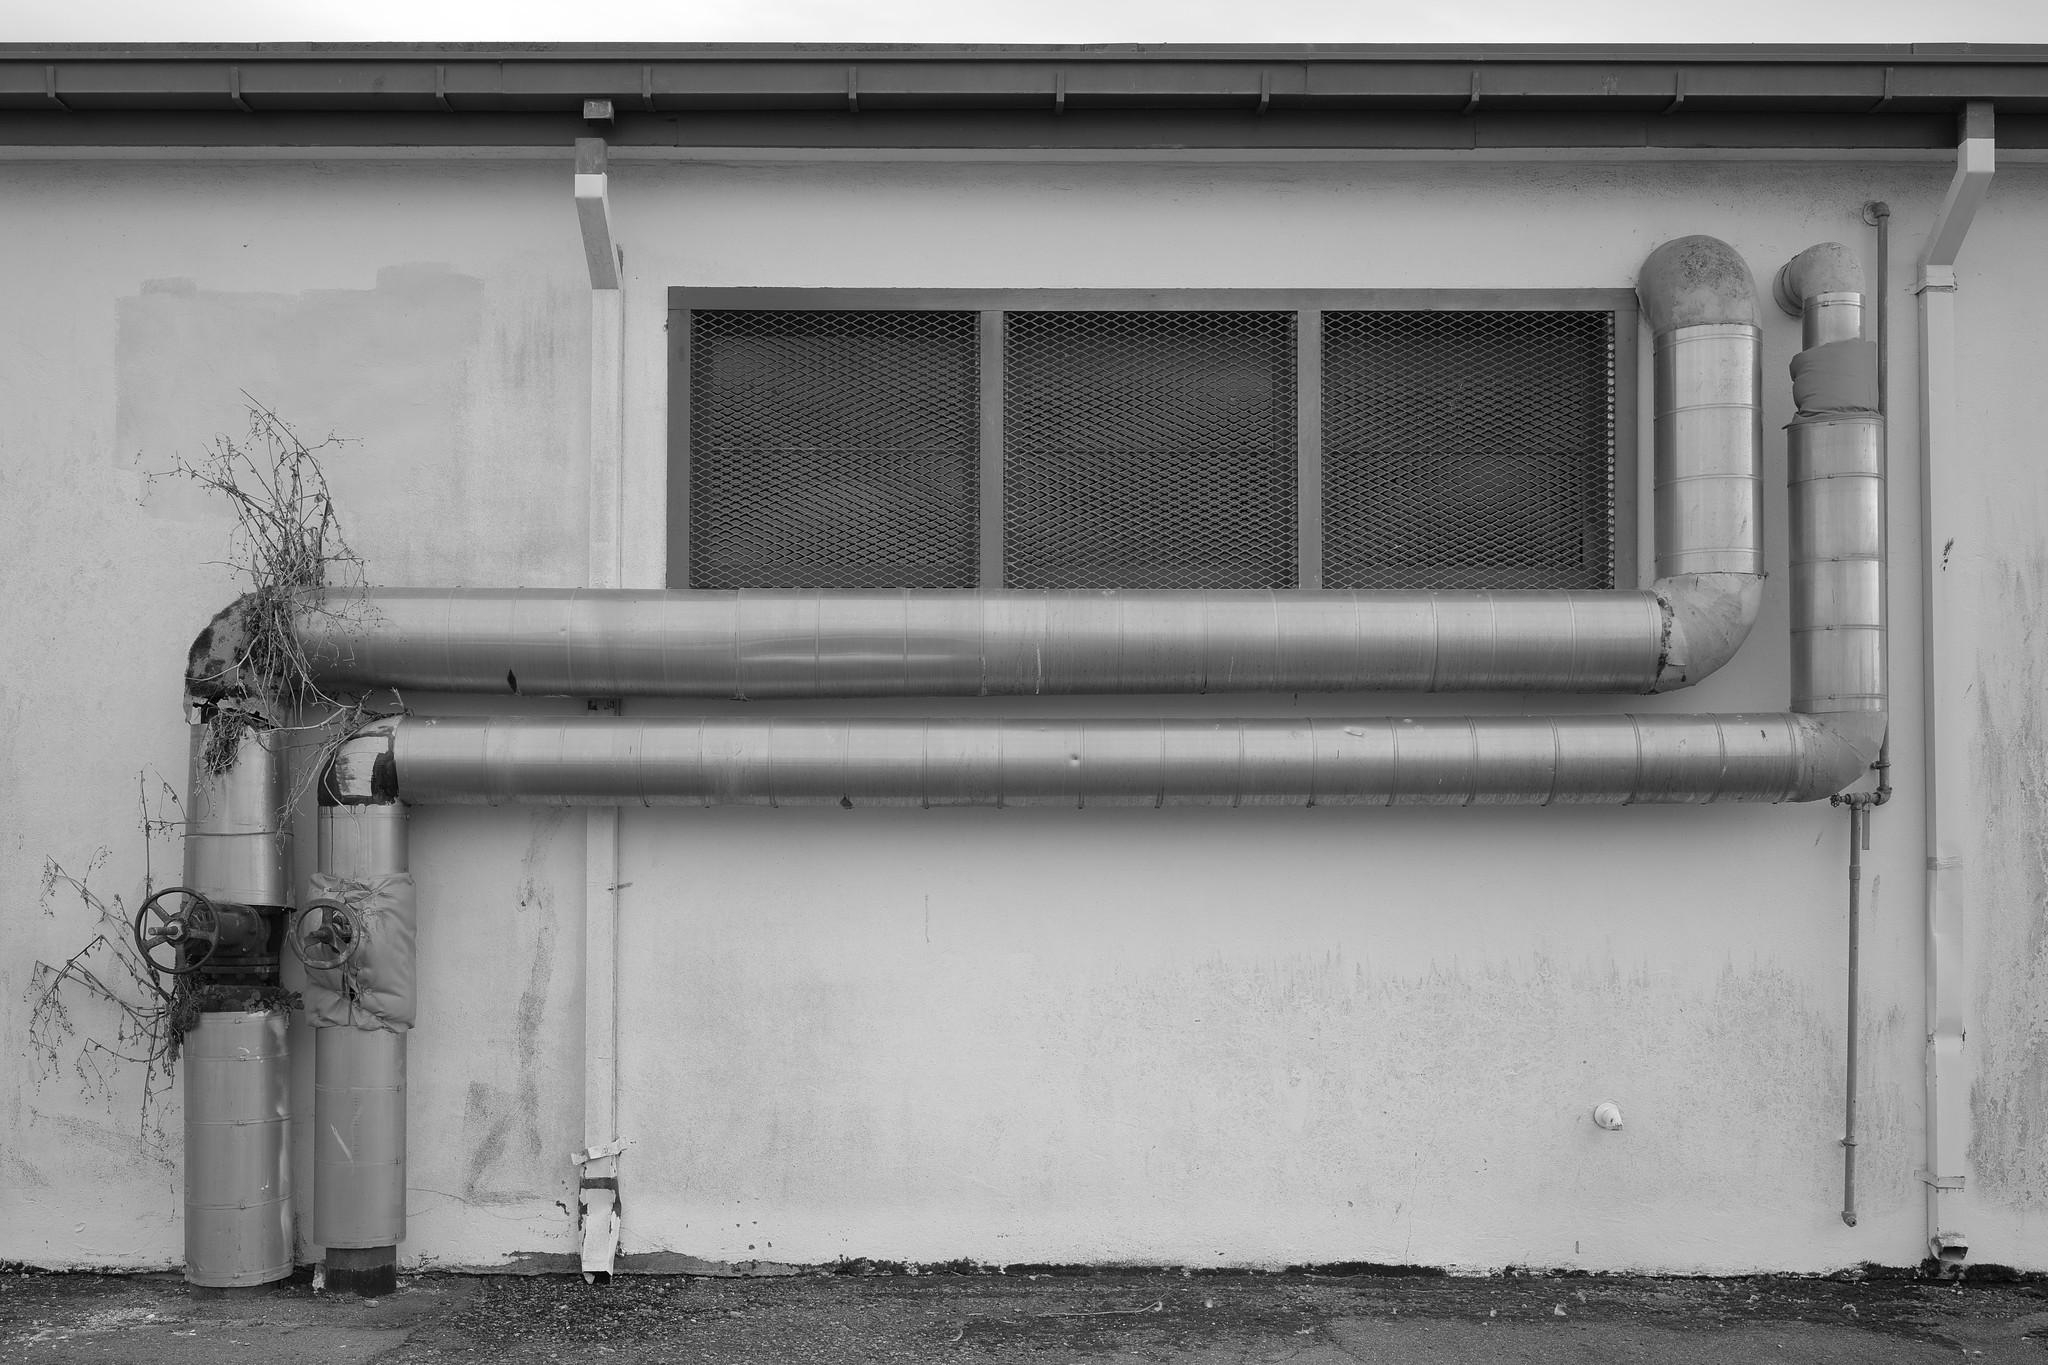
x,y
359,1082
1701,305
1835,456
236,1062
1377,761
238,1190
1706,409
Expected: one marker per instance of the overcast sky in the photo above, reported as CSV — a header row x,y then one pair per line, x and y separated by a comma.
x,y
1030,21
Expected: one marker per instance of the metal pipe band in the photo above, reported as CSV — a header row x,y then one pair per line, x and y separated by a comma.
x,y
1513,760
236,846
1836,502
360,842
1707,415
1830,317
238,1217
813,643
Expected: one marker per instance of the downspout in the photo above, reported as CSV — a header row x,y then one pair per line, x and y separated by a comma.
x,y
1946,651
598,1207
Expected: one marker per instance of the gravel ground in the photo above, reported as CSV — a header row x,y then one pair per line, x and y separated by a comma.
x,y
1043,1319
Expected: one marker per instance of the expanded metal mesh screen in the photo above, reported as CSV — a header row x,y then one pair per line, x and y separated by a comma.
x,y
834,449
1149,450
1468,450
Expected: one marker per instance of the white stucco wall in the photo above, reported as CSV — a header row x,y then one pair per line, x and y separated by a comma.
x,y
1193,1037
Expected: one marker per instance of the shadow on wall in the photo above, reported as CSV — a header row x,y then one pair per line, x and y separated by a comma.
x,y
458,397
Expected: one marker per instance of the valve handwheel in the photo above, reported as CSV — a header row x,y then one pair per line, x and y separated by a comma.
x,y
326,934
182,920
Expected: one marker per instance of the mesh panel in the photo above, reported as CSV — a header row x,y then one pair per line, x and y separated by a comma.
x,y
1468,450
833,449
1149,450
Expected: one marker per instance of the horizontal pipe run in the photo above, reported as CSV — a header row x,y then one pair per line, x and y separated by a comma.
x,y
1509,760
762,644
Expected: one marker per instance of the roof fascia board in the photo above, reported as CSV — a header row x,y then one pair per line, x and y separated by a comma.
x,y
1157,134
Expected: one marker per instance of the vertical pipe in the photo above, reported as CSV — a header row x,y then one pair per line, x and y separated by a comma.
x,y
238,1215
1859,840
1880,213
238,1222
359,1089
601,824
1946,663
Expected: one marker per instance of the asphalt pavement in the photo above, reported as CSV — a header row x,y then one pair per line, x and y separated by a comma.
x,y
1027,1317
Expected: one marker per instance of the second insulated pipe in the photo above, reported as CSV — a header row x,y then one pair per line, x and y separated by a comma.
x,y
360,998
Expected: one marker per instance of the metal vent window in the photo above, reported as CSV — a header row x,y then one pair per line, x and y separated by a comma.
x,y
834,449
1149,450
1468,449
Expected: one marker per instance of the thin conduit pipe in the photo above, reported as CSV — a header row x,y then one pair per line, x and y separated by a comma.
x,y
1859,840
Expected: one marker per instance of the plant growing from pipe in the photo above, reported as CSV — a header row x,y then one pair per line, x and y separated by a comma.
x,y
247,669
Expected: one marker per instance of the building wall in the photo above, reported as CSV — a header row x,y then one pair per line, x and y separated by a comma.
x,y
1190,1037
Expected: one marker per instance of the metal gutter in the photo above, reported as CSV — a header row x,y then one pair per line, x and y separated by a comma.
x,y
1677,80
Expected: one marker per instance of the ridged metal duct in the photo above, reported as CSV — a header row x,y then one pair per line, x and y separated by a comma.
x,y
1464,761
1704,362
1700,301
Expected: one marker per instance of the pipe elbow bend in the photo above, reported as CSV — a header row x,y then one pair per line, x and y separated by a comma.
x,y
1835,749
1707,616
1694,281
1824,268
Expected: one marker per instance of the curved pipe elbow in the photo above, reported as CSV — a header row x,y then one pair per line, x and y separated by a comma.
x,y
1691,281
1836,750
1706,618
1824,268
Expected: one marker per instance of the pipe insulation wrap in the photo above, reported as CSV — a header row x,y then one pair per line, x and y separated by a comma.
x,y
236,846
1707,414
238,1216
358,1138
1379,761
359,1066
376,988
765,644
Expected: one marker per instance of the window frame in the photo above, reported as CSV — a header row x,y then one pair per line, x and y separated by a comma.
x,y
1308,305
